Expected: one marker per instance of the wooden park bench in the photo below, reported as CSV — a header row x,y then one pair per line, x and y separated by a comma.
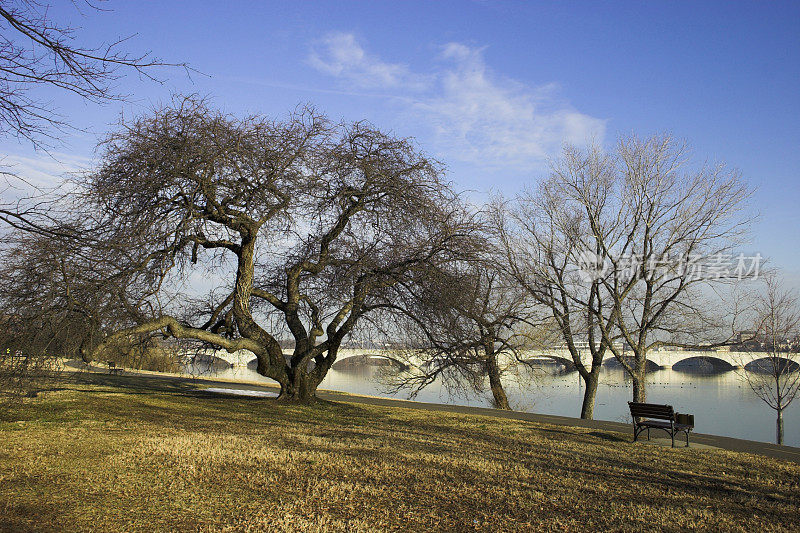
x,y
113,368
653,415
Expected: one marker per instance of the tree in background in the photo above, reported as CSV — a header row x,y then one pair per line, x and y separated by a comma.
x,y
466,324
677,228
65,284
60,293
615,245
546,237
774,375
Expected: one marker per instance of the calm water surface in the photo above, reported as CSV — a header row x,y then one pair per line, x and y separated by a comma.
x,y
722,403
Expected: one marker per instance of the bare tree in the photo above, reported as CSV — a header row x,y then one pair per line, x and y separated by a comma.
x,y
774,375
36,51
59,287
58,292
616,246
37,294
546,237
467,323
306,227
680,226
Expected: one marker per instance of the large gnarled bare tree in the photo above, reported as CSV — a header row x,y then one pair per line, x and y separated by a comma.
x,y
309,227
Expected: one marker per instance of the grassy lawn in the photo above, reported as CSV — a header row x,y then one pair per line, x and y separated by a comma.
x,y
94,457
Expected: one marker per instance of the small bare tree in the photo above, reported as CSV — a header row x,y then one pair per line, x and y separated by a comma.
x,y
59,289
59,293
467,324
679,226
774,375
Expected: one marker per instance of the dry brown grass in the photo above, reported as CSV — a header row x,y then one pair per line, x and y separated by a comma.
x,y
100,458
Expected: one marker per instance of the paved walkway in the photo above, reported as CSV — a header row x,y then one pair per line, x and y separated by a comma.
x,y
788,453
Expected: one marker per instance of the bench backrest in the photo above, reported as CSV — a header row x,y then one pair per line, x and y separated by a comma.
x,y
651,410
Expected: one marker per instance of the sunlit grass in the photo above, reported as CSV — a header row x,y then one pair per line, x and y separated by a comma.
x,y
92,457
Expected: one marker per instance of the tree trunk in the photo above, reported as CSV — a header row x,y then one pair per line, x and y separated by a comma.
x,y
299,389
591,380
638,378
498,393
779,427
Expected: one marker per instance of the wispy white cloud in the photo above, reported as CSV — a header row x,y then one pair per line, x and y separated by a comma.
x,y
473,114
21,176
340,55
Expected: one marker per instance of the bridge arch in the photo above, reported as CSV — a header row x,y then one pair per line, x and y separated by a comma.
x,y
548,359
209,360
769,364
612,363
357,361
703,364
569,364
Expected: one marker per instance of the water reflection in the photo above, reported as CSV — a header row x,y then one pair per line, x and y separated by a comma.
x,y
768,365
702,365
721,401
613,364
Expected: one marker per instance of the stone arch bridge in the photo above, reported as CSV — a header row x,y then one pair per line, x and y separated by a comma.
x,y
661,359
657,359
348,357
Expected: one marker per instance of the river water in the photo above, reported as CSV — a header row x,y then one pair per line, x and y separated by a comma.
x,y
722,403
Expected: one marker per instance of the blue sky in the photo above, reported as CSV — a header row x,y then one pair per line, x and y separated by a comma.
x,y
490,88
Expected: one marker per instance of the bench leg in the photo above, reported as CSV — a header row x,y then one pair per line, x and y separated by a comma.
x,y
687,439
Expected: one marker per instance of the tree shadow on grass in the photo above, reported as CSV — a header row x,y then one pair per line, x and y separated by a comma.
x,y
22,517
611,437
137,384
202,410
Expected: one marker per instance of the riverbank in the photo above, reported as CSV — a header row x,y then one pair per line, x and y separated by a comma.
x,y
132,453
722,402
700,439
